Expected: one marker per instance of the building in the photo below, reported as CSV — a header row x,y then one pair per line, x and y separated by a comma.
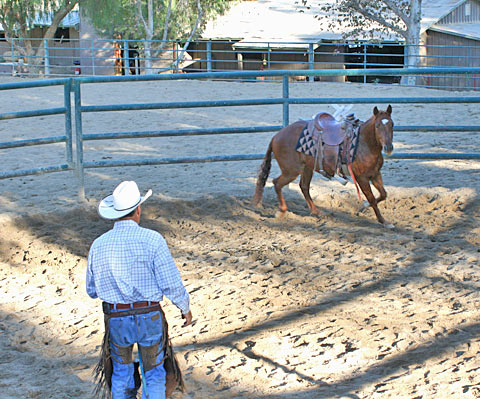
x,y
283,33
276,34
451,35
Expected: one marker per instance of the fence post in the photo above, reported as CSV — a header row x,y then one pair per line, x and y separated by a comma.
x,y
311,60
209,56
79,140
364,61
13,56
93,57
268,57
285,96
126,58
47,57
67,89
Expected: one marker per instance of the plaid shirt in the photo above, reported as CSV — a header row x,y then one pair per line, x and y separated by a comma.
x,y
131,264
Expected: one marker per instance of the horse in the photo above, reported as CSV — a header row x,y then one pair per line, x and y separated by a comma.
x,y
375,135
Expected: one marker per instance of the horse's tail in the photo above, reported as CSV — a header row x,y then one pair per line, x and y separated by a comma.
x,y
263,175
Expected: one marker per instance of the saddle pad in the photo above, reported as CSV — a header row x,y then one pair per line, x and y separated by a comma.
x,y
306,143
350,145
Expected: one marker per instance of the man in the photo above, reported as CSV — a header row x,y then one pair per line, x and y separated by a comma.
x,y
130,269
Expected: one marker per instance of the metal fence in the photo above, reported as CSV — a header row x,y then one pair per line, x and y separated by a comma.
x,y
66,138
99,57
78,164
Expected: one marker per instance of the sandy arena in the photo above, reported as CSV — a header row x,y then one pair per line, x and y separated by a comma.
x,y
292,307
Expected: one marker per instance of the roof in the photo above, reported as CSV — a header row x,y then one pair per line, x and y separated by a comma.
x,y
290,21
434,10
273,21
468,31
72,19
245,44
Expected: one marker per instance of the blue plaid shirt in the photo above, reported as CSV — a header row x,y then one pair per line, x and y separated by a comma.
x,y
130,264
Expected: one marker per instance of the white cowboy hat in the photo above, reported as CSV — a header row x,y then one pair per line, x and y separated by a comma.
x,y
125,198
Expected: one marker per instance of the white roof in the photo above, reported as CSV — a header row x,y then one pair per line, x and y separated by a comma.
x,y
434,10
273,21
289,21
468,31
70,20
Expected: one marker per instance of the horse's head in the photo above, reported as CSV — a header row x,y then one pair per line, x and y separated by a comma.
x,y
384,128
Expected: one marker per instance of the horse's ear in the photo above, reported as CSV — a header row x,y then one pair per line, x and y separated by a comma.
x,y
389,109
375,111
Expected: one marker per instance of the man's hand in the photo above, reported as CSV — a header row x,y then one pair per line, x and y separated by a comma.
x,y
188,318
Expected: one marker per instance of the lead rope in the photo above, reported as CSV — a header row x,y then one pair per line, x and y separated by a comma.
x,y
354,180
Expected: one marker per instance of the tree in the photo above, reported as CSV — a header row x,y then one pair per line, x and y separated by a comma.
x,y
360,17
18,17
147,20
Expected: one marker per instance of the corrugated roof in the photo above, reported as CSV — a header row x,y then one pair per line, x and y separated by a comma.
x,y
286,20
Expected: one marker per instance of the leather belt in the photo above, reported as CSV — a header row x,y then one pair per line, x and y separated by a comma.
x,y
135,305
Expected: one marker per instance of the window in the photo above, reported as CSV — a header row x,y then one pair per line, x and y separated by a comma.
x,y
62,35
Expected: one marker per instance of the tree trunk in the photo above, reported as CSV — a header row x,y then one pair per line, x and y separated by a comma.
x,y
412,41
187,43
148,26
167,22
148,42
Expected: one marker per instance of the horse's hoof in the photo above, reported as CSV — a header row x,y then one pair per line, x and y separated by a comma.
x,y
389,226
281,214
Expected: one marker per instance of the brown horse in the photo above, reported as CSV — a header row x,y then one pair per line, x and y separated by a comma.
x,y
374,135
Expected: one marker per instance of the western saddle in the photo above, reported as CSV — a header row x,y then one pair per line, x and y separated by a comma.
x,y
333,139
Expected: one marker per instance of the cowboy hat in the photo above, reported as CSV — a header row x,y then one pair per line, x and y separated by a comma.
x,y
125,198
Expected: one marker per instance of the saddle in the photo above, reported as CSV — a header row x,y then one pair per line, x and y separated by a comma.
x,y
333,140
332,132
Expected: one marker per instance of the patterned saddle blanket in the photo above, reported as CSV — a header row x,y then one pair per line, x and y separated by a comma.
x,y
307,142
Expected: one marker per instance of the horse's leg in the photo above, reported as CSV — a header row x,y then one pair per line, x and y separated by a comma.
x,y
378,184
279,183
364,184
305,180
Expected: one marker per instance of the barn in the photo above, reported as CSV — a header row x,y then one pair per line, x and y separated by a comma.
x,y
63,50
282,34
451,37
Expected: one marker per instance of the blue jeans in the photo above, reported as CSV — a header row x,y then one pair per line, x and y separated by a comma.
x,y
145,330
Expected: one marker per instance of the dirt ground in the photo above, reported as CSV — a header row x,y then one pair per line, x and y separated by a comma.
x,y
335,306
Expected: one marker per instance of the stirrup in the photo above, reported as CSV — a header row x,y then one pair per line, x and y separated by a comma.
x,y
341,180
324,176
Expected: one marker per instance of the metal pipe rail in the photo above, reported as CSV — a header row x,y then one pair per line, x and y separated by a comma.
x,y
74,85
69,56
67,138
283,73
285,101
